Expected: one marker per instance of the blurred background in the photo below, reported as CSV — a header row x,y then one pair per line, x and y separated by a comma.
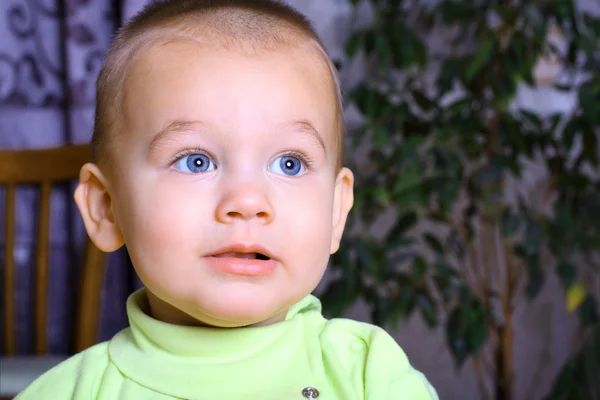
x,y
473,130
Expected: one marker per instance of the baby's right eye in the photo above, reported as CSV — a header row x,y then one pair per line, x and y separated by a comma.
x,y
194,163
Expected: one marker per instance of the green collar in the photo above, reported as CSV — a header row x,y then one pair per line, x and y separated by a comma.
x,y
213,363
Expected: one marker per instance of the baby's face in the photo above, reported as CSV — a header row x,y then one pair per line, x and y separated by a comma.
x,y
224,159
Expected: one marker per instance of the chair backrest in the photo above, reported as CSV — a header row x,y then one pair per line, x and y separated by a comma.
x,y
44,168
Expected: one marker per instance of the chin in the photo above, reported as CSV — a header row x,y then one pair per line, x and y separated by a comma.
x,y
242,308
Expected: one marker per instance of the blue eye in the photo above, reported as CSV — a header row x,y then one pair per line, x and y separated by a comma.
x,y
287,165
194,164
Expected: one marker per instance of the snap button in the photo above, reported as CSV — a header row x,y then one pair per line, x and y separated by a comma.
x,y
310,392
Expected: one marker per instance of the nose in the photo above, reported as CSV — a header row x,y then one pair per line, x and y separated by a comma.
x,y
244,202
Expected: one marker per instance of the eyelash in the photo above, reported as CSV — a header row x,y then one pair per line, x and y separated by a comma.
x,y
301,156
189,152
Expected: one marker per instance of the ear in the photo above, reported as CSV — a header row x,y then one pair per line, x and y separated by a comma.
x,y
342,204
95,205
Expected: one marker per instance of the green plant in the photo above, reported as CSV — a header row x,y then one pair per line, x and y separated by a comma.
x,y
446,149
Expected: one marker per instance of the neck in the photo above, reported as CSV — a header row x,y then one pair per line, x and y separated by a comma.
x,y
165,312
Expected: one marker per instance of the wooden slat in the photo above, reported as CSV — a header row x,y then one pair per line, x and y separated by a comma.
x,y
92,277
45,167
34,166
10,346
41,269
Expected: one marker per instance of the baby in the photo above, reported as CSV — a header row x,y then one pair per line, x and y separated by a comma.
x,y
217,154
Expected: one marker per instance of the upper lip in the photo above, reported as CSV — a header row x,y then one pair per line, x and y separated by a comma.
x,y
243,248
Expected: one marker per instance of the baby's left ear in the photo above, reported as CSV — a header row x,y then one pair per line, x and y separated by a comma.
x,y
342,204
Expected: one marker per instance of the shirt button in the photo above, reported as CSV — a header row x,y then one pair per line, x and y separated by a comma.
x,y
310,392
357,346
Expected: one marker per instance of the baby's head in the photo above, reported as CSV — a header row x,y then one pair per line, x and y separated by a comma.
x,y
217,156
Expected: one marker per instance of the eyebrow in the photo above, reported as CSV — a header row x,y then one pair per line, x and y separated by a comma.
x,y
175,126
305,127
184,126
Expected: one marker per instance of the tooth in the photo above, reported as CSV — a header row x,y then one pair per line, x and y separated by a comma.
x,y
248,256
238,255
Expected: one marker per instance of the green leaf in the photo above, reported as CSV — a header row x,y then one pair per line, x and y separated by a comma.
x,y
444,269
466,331
380,135
578,378
368,41
406,300
566,272
419,268
457,245
382,50
443,285
451,69
481,58
589,100
465,295
501,162
535,276
509,223
477,328
370,102
382,195
453,11
563,88
404,223
397,242
354,43
590,144
533,238
588,311
554,121
407,48
428,310
434,243
532,118
334,299
408,179
366,258
592,22
383,310
569,132
588,44
411,199
489,174
455,336
422,101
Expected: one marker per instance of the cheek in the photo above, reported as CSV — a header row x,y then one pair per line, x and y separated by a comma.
x,y
163,224
309,224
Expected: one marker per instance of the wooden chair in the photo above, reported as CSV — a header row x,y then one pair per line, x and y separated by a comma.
x,y
43,168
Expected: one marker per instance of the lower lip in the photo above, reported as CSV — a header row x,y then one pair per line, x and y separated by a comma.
x,y
242,266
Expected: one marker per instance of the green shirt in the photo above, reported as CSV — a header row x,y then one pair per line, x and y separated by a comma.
x,y
342,359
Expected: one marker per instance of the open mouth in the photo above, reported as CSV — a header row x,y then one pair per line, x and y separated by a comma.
x,y
243,260
245,256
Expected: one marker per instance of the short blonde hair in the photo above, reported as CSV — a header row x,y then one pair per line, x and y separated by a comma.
x,y
248,26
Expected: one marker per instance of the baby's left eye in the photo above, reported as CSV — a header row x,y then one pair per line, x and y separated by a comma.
x,y
287,165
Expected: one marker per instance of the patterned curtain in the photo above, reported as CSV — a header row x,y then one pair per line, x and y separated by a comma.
x,y
50,55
